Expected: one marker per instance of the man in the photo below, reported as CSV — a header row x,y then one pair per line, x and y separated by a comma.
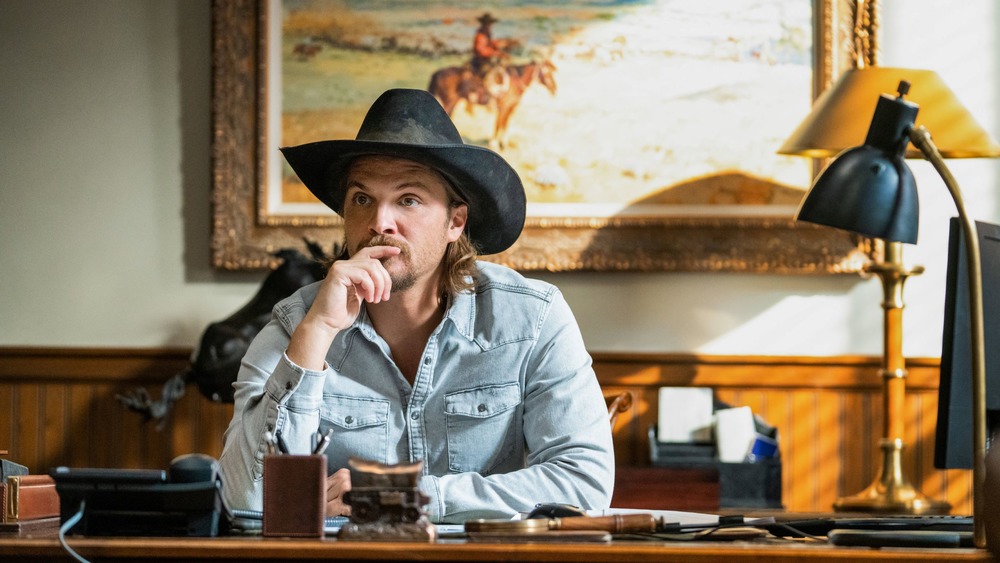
x,y
410,349
486,51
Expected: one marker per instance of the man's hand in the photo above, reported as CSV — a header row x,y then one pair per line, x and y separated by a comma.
x,y
336,485
361,277
504,46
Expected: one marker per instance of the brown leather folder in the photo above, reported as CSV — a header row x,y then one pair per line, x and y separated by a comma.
x,y
294,495
29,497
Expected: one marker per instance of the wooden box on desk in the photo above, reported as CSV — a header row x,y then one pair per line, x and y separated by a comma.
x,y
741,485
28,497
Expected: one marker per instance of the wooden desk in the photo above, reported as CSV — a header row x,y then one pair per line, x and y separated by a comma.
x,y
260,549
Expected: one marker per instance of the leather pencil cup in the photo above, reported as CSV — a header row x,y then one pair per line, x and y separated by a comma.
x,y
294,495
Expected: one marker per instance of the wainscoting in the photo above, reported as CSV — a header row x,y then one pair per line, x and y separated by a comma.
x,y
58,407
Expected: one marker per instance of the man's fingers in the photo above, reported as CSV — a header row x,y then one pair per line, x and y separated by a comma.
x,y
386,283
372,284
379,252
336,485
337,508
368,277
364,284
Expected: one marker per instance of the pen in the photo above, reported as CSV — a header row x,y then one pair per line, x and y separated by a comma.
x,y
269,438
282,446
323,442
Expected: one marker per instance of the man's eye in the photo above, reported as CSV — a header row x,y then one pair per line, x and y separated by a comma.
x,y
360,199
409,201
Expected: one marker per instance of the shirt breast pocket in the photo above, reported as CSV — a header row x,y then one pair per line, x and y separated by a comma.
x,y
480,427
360,428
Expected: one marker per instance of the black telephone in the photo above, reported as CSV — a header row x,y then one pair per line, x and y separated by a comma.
x,y
184,500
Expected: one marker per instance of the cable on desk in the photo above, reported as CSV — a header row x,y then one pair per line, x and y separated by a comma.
x,y
678,532
795,532
67,526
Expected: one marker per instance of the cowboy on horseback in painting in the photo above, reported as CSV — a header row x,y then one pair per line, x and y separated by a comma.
x,y
489,79
486,51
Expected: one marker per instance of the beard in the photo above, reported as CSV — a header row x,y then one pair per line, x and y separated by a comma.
x,y
401,280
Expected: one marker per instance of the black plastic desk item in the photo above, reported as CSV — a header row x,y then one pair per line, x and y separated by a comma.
x,y
741,485
140,502
900,538
823,526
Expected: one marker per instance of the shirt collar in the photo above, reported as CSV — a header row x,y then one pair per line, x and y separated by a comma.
x,y
364,324
461,312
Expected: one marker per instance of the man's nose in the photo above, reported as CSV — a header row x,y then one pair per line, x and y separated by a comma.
x,y
384,221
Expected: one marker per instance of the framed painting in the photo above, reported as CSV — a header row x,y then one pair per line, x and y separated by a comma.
x,y
645,132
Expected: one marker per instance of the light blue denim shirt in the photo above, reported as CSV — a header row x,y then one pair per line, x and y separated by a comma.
x,y
505,410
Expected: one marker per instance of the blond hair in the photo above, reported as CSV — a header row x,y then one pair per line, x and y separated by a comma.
x,y
460,270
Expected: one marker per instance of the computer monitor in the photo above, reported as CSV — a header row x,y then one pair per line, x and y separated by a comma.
x,y
953,439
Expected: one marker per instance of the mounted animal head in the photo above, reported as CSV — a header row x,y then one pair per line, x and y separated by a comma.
x,y
223,344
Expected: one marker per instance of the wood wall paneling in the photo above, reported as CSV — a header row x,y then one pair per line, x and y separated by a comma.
x,y
828,412
58,407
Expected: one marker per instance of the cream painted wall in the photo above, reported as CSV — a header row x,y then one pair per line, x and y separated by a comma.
x,y
105,180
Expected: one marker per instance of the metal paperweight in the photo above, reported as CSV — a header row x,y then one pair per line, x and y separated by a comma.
x,y
386,503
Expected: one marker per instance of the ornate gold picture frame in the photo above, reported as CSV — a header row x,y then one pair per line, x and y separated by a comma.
x,y
245,235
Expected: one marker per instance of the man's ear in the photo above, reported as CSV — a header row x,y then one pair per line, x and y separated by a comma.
x,y
457,221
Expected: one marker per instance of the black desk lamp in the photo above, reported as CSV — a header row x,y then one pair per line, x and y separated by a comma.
x,y
869,190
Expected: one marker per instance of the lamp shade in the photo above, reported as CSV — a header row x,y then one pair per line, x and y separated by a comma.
x,y
839,116
869,189
867,192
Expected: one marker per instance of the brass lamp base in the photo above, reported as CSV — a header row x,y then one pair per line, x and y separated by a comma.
x,y
891,493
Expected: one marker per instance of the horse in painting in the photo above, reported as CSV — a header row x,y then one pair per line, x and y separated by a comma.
x,y
502,88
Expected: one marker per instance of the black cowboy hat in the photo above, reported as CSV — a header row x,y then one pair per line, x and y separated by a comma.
x,y
486,18
411,124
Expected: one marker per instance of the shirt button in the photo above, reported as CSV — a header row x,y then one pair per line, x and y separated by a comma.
x,y
481,407
415,415
349,420
427,360
289,385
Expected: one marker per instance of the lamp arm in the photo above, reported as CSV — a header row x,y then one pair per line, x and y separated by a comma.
x,y
922,140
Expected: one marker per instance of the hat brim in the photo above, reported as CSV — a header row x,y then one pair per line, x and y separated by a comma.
x,y
487,183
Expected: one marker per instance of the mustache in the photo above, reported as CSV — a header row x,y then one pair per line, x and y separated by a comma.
x,y
385,240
